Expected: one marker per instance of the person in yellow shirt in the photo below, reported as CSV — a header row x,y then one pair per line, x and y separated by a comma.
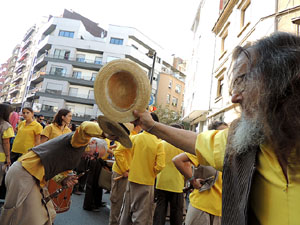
x,y
169,188
26,179
120,168
259,154
206,200
6,132
148,159
59,125
28,135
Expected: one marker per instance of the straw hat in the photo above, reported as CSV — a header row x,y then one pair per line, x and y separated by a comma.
x,y
121,86
113,128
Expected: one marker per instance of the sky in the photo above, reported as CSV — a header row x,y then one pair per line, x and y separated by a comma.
x,y
167,22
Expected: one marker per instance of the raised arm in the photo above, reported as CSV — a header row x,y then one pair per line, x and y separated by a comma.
x,y
180,138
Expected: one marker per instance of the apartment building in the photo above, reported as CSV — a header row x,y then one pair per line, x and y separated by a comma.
x,y
238,22
3,74
11,63
22,68
68,53
199,70
172,96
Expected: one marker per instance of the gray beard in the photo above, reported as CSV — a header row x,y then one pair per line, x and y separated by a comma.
x,y
249,133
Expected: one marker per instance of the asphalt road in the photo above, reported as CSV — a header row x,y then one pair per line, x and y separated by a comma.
x,y
77,216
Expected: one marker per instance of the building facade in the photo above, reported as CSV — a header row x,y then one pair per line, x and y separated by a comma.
x,y
238,22
172,96
11,64
66,55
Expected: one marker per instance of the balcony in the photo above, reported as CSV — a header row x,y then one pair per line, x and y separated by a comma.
x,y
37,77
20,67
14,89
75,98
41,61
7,80
26,45
82,80
31,93
23,56
17,78
76,62
28,33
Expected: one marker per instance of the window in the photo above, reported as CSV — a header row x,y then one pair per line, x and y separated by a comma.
x,y
220,87
178,88
158,60
61,54
91,94
64,33
48,108
58,71
93,76
116,41
223,42
77,74
73,92
53,88
174,101
170,84
245,17
80,58
111,58
98,60
168,98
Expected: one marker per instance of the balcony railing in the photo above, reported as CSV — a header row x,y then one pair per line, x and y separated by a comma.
x,y
77,59
15,88
75,76
59,92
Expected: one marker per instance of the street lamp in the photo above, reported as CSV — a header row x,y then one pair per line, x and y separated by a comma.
x,y
152,54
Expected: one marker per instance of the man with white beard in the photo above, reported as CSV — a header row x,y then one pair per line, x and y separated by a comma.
x,y
259,154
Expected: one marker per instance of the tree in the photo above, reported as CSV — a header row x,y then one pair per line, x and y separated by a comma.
x,y
167,115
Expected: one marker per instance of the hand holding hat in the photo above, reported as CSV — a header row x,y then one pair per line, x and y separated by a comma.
x,y
121,87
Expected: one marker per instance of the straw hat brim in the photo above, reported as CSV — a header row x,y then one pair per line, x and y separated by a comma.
x,y
121,87
113,128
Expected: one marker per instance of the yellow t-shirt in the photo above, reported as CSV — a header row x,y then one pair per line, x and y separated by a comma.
x,y
123,157
209,201
9,133
272,200
52,131
170,179
25,138
148,158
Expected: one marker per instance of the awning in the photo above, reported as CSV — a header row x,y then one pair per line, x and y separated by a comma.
x,y
196,116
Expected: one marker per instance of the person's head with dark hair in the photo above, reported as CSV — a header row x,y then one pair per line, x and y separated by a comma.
x,y
28,114
5,111
217,125
93,120
63,117
40,118
266,84
72,126
154,116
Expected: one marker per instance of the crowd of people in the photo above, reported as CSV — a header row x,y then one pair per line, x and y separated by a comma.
x,y
242,173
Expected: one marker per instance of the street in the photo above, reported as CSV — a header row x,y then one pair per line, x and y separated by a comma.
x,y
77,216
